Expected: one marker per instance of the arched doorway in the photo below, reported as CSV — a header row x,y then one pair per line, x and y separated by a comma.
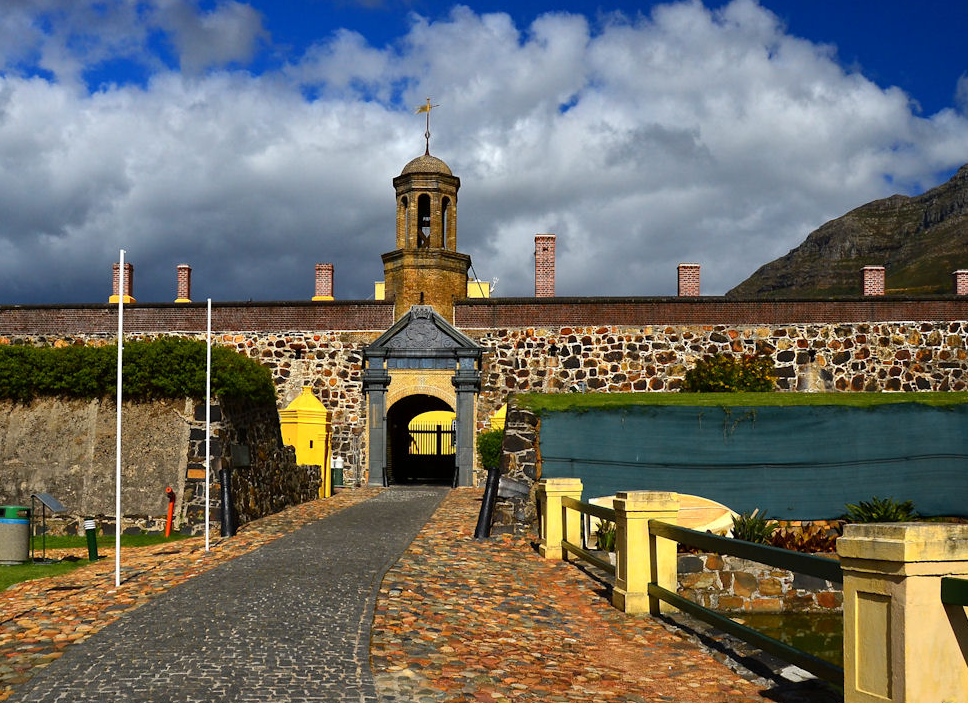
x,y
419,455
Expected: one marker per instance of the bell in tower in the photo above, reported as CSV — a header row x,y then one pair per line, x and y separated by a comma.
x,y
426,268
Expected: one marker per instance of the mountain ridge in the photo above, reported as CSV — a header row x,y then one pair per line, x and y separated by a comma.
x,y
920,240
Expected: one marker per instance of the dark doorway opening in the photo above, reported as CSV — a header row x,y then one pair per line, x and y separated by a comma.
x,y
423,454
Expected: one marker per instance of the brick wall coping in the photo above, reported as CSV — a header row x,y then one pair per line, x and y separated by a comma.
x,y
259,316
708,310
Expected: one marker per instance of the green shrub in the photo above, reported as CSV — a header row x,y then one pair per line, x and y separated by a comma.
x,y
605,537
489,445
723,373
169,367
881,510
752,527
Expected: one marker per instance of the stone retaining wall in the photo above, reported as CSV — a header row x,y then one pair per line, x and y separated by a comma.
x,y
733,585
330,362
65,447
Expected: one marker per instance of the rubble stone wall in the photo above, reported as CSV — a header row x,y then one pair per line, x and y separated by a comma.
x,y
730,584
876,356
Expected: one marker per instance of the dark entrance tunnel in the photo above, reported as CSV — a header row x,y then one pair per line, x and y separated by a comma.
x,y
425,455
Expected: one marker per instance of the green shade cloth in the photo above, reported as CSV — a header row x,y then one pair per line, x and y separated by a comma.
x,y
797,463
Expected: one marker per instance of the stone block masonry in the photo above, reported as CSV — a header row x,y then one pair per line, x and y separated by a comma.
x,y
896,356
730,584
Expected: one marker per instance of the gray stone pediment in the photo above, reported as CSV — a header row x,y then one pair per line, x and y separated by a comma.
x,y
422,329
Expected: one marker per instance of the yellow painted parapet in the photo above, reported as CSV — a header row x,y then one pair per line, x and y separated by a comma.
x,y
305,425
901,644
549,493
127,300
639,557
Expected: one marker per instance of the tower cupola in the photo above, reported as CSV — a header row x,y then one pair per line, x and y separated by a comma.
x,y
426,268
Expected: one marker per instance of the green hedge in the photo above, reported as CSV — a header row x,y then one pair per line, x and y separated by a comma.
x,y
169,367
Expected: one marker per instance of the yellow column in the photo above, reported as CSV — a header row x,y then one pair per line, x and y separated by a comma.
x,y
549,494
640,559
901,644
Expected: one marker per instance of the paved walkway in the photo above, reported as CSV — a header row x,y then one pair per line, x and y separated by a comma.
x,y
288,619
287,622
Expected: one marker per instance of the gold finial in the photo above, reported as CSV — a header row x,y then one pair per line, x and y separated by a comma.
x,y
426,108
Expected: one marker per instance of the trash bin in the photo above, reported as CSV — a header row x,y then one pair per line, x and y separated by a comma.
x,y
337,473
14,534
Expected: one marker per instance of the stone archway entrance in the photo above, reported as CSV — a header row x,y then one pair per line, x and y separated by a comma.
x,y
420,356
419,454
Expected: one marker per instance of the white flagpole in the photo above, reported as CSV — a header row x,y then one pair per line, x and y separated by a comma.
x,y
208,416
117,478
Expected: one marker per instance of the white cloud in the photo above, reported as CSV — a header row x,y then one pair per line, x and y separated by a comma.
x,y
688,135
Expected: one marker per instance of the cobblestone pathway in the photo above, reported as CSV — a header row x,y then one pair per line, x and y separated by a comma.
x,y
460,620
455,619
287,622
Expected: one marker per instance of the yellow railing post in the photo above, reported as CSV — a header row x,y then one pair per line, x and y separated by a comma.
x,y
901,644
640,559
549,494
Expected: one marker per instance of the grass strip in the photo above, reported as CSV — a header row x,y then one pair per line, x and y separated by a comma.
x,y
561,402
16,573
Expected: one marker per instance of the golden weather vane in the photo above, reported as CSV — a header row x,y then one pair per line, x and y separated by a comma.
x,y
426,108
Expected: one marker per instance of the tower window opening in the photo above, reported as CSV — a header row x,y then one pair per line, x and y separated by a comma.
x,y
444,217
423,221
405,205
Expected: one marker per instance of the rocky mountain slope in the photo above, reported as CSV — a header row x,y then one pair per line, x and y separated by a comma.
x,y
920,240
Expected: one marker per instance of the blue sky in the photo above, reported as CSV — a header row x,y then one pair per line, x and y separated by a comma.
x,y
253,139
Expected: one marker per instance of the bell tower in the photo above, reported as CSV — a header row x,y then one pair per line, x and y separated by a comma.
x,y
426,268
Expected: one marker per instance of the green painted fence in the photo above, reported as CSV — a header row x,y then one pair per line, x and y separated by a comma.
x,y
801,462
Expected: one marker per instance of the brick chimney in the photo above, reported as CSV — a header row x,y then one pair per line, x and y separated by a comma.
x,y
873,280
688,280
324,282
544,266
961,281
184,284
128,283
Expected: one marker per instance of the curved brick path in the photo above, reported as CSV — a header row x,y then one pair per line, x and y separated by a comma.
x,y
455,619
287,622
461,620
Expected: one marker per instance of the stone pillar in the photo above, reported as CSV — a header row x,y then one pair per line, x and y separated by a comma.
x,y
688,279
467,382
901,644
375,382
640,558
324,282
544,266
549,493
128,283
183,281
961,281
873,280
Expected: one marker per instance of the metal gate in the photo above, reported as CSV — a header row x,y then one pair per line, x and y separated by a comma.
x,y
431,440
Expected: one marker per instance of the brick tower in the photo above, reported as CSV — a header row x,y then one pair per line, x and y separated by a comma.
x,y
426,268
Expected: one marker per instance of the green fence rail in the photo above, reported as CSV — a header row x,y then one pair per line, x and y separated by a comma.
x,y
599,511
954,591
827,569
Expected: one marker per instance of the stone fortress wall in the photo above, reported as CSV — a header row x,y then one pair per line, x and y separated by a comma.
x,y
554,345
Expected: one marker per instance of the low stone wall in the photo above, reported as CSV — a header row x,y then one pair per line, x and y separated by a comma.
x,y
265,476
733,585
